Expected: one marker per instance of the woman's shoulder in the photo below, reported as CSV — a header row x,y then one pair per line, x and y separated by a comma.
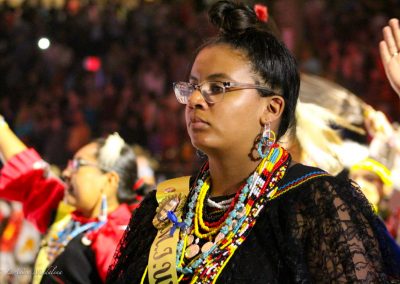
x,y
149,200
146,207
313,187
299,175
303,181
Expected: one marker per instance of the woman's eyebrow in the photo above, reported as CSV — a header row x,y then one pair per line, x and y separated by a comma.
x,y
216,76
219,76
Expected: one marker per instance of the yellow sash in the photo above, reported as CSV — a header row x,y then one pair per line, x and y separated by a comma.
x,y
171,195
42,262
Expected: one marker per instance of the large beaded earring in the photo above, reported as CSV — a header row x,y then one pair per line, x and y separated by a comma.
x,y
266,141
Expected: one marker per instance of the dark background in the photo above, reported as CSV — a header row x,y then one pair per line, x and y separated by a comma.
x,y
57,101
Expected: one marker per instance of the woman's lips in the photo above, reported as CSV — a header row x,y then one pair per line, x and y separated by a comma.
x,y
197,123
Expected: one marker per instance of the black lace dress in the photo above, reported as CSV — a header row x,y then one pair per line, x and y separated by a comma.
x,y
320,231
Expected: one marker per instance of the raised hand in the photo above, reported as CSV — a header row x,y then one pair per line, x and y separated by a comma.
x,y
390,53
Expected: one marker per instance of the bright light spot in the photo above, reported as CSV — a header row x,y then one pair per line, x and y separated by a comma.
x,y
43,43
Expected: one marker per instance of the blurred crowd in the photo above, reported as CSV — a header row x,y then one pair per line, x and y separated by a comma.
x,y
339,42
57,102
109,68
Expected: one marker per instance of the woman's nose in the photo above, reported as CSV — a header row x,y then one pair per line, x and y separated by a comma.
x,y
66,173
196,99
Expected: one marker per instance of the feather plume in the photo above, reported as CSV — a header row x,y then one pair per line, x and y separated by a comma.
x,y
111,151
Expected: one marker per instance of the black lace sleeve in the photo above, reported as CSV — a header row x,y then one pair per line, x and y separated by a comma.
x,y
343,240
133,250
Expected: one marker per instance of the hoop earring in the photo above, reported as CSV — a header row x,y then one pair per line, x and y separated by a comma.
x,y
266,141
103,208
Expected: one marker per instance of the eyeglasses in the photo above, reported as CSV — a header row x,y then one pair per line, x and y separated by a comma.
x,y
76,163
212,92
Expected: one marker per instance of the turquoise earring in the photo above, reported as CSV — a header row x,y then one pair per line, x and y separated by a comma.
x,y
103,208
266,141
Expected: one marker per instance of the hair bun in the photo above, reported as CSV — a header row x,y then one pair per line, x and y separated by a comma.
x,y
232,17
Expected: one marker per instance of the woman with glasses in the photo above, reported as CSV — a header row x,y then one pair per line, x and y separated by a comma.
x,y
98,182
250,214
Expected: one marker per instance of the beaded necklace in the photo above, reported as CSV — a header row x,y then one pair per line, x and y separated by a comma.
x,y
214,211
60,240
223,205
222,238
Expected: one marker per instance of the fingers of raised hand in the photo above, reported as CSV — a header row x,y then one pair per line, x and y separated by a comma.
x,y
390,46
391,36
395,28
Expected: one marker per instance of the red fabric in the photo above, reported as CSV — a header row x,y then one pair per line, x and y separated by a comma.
x,y
106,239
393,224
11,232
23,178
134,206
138,184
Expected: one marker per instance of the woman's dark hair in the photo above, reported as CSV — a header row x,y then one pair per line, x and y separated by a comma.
x,y
126,168
240,28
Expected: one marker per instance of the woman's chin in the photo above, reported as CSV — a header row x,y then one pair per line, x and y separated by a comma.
x,y
202,144
208,145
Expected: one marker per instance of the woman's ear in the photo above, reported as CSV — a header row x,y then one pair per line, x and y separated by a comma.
x,y
273,109
112,180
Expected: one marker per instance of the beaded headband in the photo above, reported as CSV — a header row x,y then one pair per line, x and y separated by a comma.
x,y
375,167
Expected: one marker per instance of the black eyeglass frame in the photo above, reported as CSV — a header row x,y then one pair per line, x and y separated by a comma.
x,y
76,163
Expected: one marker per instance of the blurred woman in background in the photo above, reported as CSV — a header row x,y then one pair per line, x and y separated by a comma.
x,y
98,182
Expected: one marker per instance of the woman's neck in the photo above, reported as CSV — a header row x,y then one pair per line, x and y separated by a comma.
x,y
229,173
112,205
